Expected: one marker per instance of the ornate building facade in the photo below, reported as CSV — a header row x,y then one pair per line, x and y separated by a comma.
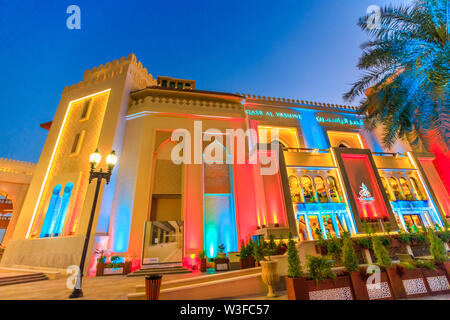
x,y
332,173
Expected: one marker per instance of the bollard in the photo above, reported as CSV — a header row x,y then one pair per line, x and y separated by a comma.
x,y
152,287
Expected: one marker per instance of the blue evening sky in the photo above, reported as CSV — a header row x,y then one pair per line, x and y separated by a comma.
x,y
298,49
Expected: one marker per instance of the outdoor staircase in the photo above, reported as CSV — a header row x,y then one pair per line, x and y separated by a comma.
x,y
22,278
159,269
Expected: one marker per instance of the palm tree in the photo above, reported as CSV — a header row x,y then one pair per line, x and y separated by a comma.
x,y
406,66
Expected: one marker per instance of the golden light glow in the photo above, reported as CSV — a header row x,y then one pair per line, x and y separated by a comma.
x,y
111,160
53,156
95,158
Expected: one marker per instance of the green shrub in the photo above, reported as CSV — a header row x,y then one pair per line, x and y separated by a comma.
x,y
249,248
202,254
319,268
272,247
444,236
364,242
381,253
294,268
334,248
419,238
437,249
243,252
404,237
258,250
425,264
407,265
349,259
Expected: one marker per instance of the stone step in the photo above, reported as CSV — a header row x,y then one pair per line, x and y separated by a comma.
x,y
162,271
25,278
50,273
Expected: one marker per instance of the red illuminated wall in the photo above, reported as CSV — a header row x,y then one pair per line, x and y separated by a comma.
x,y
193,213
442,163
359,172
438,188
245,199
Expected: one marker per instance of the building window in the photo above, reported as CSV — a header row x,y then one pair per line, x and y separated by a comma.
x,y
416,188
76,145
294,184
386,188
334,192
164,83
406,189
172,85
396,189
179,85
308,189
320,189
86,110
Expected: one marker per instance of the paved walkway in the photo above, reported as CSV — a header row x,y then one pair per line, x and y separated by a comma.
x,y
109,288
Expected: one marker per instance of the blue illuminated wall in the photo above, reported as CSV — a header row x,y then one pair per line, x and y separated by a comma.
x,y
56,211
313,133
220,223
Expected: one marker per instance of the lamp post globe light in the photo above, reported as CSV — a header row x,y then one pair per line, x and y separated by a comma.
x,y
94,160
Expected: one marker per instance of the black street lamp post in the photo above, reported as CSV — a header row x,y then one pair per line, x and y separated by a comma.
x,y
94,160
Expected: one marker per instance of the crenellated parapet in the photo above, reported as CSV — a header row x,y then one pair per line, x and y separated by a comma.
x,y
298,102
110,70
16,166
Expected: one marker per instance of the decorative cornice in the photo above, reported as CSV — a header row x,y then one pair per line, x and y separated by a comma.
x,y
185,102
298,102
110,70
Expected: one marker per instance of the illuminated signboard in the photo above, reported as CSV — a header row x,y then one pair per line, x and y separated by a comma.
x,y
273,114
364,187
332,119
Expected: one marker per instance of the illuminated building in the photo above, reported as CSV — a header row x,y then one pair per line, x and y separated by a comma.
x,y
333,174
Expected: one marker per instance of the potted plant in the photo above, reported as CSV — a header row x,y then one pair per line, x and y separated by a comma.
x,y
202,258
221,254
439,253
251,261
385,263
294,280
221,262
101,255
350,262
243,255
334,248
324,283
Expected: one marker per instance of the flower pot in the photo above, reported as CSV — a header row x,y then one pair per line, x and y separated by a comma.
x,y
270,276
412,282
202,265
296,288
100,269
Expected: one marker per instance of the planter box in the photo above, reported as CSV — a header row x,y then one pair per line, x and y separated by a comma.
x,y
248,262
436,281
364,291
122,268
304,289
202,265
407,283
221,264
